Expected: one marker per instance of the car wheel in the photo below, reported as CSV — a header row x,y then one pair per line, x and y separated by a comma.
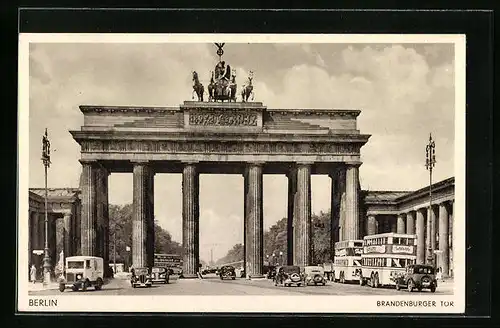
x,y
410,285
298,285
234,278
74,288
62,287
98,284
86,285
324,283
433,288
419,288
397,286
361,281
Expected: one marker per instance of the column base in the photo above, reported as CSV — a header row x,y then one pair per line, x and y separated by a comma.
x,y
189,276
256,276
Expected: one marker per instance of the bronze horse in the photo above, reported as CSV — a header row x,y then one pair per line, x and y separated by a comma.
x,y
247,89
197,87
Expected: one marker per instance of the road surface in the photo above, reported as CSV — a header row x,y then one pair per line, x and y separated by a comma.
x,y
212,285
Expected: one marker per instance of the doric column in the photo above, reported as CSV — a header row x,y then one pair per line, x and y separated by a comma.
x,y
302,234
334,211
371,225
430,236
443,239
292,192
341,201
190,219
420,237
400,224
410,223
68,251
352,206
142,217
34,230
254,243
59,238
89,208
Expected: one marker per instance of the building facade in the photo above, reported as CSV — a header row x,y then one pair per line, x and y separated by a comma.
x,y
63,209
429,217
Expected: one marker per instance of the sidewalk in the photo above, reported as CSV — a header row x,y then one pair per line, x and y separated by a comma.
x,y
33,287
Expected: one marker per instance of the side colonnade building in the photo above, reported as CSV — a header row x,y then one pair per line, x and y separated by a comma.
x,y
409,212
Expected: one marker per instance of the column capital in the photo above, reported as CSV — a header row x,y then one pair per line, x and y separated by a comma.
x,y
139,162
87,161
255,163
304,163
353,164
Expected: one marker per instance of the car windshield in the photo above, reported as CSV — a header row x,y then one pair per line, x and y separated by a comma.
x,y
141,271
75,264
291,269
424,270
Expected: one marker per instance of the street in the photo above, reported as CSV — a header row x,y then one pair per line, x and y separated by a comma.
x,y
212,285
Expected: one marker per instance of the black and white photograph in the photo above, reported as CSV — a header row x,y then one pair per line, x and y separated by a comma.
x,y
241,173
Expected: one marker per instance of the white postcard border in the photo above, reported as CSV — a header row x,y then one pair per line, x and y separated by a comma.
x,y
259,304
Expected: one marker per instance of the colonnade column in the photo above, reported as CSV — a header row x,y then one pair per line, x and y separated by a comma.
x,y
335,214
34,235
88,212
371,225
142,218
292,192
68,234
443,239
420,237
60,240
302,221
254,239
430,239
410,223
400,224
352,203
190,219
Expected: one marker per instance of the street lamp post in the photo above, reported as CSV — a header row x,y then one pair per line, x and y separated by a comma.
x,y
430,162
46,164
281,258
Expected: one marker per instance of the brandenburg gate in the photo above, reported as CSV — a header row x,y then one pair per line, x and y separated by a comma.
x,y
232,137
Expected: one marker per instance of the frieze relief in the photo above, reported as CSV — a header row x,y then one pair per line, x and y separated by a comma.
x,y
218,147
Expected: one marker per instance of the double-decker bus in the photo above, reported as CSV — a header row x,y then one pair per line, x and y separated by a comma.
x,y
385,257
347,260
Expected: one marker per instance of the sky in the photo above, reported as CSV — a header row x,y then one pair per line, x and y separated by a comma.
x,y
404,92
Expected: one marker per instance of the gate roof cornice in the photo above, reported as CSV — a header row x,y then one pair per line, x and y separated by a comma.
x,y
223,137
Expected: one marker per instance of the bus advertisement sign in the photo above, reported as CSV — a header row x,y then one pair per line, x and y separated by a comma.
x,y
375,249
402,249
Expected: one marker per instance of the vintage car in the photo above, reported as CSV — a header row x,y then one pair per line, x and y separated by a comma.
x,y
82,272
271,272
289,275
227,272
160,275
417,276
141,278
314,275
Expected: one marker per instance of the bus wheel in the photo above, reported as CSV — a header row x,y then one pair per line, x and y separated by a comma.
x,y
376,281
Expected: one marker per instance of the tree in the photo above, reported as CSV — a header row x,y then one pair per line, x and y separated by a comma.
x,y
275,241
120,235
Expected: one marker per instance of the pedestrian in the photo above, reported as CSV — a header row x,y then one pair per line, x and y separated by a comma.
x,y
439,275
33,273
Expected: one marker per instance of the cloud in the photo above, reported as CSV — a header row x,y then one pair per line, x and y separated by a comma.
x,y
404,91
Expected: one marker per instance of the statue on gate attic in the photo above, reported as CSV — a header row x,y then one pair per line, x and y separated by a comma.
x,y
222,86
